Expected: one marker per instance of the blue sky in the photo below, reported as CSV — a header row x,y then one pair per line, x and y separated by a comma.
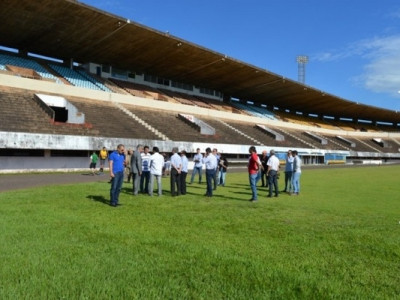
x,y
353,45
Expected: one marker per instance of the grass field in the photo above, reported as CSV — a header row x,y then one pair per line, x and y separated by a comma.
x,y
339,239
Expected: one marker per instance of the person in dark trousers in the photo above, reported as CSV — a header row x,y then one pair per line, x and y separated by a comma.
x,y
273,169
184,171
217,156
288,172
264,160
176,169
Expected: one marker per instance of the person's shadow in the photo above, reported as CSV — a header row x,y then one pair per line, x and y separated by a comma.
x,y
98,198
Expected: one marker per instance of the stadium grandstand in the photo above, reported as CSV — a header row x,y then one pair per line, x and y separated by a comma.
x,y
74,79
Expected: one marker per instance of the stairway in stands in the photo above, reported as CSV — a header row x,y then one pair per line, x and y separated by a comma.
x,y
337,144
366,144
141,121
297,138
241,133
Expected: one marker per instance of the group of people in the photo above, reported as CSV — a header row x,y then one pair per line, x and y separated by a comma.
x,y
267,168
145,168
103,155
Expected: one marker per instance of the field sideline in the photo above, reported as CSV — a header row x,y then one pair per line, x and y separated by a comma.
x,y
338,239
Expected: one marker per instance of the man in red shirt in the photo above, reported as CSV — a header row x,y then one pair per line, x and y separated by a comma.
x,y
254,168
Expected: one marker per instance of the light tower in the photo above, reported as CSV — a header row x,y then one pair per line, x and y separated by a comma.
x,y
302,60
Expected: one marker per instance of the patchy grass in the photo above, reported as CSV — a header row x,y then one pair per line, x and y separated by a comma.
x,y
338,239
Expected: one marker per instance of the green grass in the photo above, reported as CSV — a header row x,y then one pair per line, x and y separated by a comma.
x,y
338,239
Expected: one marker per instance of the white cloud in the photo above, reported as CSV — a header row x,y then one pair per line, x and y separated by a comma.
x,y
395,14
382,68
382,72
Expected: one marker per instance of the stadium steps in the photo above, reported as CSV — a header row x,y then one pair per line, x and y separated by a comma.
x,y
141,121
55,74
297,138
241,133
112,86
337,144
396,142
368,145
339,140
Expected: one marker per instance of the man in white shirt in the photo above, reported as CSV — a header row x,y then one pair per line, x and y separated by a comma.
x,y
156,166
211,165
184,171
272,173
176,168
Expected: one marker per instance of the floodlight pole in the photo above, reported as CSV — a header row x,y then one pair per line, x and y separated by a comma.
x,y
302,60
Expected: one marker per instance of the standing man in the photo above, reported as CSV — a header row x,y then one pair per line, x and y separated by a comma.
x,y
128,166
176,168
253,168
296,173
288,172
272,173
103,157
145,178
184,171
93,162
217,156
198,165
211,165
116,164
156,166
222,168
264,160
136,168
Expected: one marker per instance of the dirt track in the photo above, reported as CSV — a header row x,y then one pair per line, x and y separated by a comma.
x,y
20,181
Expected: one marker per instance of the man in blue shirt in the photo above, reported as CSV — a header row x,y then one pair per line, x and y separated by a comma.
x,y
117,164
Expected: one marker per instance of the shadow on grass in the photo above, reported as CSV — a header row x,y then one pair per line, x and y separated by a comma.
x,y
191,186
98,198
127,190
248,192
216,196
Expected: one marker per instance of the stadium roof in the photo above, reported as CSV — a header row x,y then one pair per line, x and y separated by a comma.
x,y
68,29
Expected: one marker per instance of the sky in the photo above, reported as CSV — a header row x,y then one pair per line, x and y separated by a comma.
x,y
353,45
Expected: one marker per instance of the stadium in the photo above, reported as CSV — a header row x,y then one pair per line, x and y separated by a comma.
x,y
69,87
74,79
